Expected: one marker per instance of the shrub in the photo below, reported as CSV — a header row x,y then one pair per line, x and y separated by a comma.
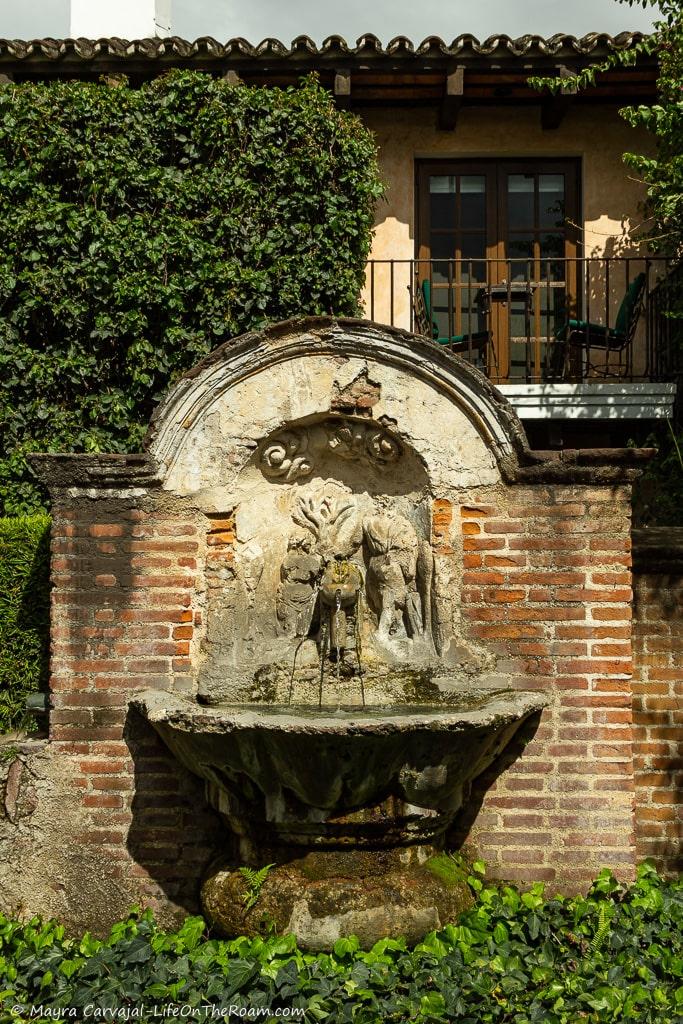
x,y
516,957
140,228
24,614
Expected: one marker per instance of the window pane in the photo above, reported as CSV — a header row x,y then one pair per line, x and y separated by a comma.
x,y
520,201
517,323
552,245
551,200
442,208
442,184
473,253
518,353
472,316
443,250
473,201
552,304
520,254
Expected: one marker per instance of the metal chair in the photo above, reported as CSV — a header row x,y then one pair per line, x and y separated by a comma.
x,y
582,336
471,345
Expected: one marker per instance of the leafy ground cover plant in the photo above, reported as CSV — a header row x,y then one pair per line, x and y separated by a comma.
x,y
24,614
614,955
142,227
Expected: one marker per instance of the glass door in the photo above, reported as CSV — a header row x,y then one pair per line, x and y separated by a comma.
x,y
538,218
457,209
497,254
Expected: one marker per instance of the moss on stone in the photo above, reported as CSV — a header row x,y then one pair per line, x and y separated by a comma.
x,y
449,868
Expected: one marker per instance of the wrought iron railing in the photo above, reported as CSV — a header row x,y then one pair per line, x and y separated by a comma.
x,y
665,327
550,319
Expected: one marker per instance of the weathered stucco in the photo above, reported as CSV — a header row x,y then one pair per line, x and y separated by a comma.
x,y
206,431
45,867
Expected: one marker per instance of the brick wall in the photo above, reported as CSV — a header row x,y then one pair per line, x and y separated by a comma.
x,y
658,705
546,585
125,582
547,582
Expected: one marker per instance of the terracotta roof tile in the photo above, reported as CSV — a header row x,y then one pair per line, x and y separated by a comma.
x,y
368,46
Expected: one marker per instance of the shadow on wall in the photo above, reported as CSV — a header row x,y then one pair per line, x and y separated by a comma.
x,y
174,835
459,834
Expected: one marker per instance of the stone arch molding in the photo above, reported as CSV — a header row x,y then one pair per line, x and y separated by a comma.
x,y
266,387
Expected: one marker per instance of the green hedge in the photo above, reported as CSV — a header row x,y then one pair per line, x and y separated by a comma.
x,y
24,614
140,228
521,958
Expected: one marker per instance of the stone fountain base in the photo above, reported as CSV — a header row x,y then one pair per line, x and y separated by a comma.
x,y
351,805
324,895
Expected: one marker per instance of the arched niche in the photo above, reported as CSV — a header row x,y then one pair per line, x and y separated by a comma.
x,y
207,429
330,443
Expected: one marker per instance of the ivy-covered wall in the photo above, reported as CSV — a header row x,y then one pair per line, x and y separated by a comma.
x,y
140,228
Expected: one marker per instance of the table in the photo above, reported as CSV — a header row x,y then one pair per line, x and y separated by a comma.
x,y
511,291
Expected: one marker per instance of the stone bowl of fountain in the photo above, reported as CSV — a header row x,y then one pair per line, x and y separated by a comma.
x,y
350,804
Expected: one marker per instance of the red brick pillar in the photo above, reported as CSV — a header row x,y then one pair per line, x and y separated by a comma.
x,y
547,582
125,586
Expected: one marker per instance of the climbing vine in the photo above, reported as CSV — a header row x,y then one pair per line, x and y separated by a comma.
x,y
515,957
140,228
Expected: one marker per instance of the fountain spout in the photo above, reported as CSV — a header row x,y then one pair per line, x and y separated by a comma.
x,y
339,595
340,591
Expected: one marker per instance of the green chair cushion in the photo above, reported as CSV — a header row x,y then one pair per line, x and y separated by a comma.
x,y
628,304
598,330
464,339
622,323
427,295
456,339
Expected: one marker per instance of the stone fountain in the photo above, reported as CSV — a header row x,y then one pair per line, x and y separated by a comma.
x,y
340,713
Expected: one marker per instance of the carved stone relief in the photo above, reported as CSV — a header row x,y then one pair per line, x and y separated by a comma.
x,y
329,519
299,575
285,458
391,584
337,586
365,441
294,454
394,567
335,532
336,575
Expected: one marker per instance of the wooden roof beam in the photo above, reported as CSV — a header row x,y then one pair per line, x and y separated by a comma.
x,y
452,100
555,106
342,87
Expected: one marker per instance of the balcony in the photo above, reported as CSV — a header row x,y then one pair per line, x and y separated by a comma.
x,y
588,338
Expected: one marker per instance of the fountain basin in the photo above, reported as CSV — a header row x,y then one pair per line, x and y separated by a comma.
x,y
308,776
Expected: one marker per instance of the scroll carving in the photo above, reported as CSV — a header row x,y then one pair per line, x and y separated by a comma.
x,y
286,458
293,454
367,442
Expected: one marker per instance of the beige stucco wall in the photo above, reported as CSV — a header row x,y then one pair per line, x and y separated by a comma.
x,y
596,135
